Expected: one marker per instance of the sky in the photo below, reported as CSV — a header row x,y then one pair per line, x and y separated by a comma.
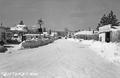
x,y
57,14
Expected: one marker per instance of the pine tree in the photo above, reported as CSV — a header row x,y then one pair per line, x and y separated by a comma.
x,y
108,19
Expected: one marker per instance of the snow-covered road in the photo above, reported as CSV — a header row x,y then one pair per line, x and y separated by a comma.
x,y
61,59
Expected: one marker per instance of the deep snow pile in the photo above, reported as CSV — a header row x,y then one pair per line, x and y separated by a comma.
x,y
30,44
14,48
109,51
71,39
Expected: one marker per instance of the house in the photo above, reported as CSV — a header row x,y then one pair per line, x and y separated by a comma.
x,y
53,33
85,32
109,33
20,27
18,31
86,35
32,36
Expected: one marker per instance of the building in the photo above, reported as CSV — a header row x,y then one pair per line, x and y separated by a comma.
x,y
53,33
86,35
85,32
20,27
109,33
32,36
5,34
18,31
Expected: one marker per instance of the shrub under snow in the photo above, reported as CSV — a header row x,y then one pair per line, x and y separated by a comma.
x,y
2,49
35,43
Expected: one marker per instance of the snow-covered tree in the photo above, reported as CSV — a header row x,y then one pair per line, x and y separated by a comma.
x,y
108,19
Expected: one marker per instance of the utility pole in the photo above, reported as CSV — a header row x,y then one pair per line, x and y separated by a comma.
x,y
1,24
1,21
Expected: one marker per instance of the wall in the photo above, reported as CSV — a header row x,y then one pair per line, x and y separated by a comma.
x,y
102,37
115,36
2,35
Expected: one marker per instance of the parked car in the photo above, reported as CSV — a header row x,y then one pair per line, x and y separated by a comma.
x,y
59,37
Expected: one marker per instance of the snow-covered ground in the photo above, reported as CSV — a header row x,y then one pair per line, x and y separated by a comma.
x,y
13,48
110,51
60,59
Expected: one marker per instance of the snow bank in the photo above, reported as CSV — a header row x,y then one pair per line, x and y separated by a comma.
x,y
110,51
35,43
14,49
74,40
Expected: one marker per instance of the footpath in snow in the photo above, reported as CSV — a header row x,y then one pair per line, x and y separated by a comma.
x,y
109,51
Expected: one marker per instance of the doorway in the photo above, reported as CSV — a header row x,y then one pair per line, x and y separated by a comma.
x,y
107,37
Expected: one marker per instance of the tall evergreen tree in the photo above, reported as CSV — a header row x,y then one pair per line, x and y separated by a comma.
x,y
108,19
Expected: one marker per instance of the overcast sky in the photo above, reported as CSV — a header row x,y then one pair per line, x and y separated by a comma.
x,y
57,14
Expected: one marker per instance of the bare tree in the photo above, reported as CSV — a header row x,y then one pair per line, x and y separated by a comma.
x,y
40,22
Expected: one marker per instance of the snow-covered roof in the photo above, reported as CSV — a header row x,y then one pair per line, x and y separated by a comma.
x,y
108,28
105,28
32,34
84,33
19,28
15,34
116,28
21,25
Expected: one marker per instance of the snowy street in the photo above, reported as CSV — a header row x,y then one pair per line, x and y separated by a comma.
x,y
60,59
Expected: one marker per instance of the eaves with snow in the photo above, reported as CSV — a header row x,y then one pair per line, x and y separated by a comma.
x,y
108,28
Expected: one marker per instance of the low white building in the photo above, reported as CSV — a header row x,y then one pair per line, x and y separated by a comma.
x,y
45,33
18,31
20,27
86,35
32,36
53,34
85,32
109,33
